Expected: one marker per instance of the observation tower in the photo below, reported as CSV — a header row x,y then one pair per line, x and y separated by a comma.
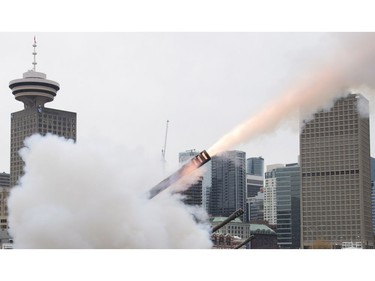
x,y
34,89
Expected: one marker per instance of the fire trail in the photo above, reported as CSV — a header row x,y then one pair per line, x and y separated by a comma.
x,y
193,164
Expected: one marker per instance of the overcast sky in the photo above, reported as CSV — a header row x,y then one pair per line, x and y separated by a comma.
x,y
125,86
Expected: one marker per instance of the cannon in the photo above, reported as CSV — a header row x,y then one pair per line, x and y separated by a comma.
x,y
193,164
247,240
236,214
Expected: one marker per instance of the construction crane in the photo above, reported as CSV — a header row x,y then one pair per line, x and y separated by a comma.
x,y
165,143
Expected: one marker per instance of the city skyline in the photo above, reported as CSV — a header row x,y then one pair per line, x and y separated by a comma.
x,y
143,79
161,17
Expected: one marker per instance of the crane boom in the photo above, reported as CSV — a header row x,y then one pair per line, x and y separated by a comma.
x,y
165,142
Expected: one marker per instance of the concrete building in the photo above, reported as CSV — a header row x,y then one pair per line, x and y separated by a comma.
x,y
235,227
335,175
236,231
34,90
264,237
283,184
228,192
4,193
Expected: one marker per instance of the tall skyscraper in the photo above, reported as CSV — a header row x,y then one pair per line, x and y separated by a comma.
x,y
335,175
193,195
284,182
228,192
34,90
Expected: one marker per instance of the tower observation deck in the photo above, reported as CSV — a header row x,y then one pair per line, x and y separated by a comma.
x,y
34,90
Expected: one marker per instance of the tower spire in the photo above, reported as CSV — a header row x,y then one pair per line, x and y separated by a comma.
x,y
34,54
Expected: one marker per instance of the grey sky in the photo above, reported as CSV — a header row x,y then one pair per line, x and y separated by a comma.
x,y
124,86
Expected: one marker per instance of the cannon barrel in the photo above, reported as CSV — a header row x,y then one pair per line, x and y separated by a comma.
x,y
236,214
245,242
193,164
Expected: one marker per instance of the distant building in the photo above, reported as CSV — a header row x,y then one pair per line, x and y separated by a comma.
x,y
236,232
264,237
4,193
255,166
270,213
254,186
285,190
230,235
6,242
193,195
335,175
225,241
255,207
4,179
228,193
373,193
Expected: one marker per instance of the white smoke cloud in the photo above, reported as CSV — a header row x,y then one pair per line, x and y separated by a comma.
x,y
86,195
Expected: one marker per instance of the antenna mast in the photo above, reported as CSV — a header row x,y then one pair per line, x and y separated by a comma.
x,y
165,142
34,54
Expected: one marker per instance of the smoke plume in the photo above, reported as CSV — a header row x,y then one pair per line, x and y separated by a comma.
x,y
84,195
350,67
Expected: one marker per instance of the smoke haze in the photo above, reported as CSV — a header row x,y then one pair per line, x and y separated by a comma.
x,y
85,195
350,67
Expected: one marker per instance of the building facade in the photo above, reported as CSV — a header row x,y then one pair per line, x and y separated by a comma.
x,y
4,193
255,207
335,175
254,184
373,193
255,166
228,191
284,186
270,214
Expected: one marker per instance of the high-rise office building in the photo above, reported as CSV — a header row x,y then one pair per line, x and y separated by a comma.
x,y
254,188
255,207
228,192
34,90
255,166
253,185
284,183
4,179
335,175
270,214
4,193
193,195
